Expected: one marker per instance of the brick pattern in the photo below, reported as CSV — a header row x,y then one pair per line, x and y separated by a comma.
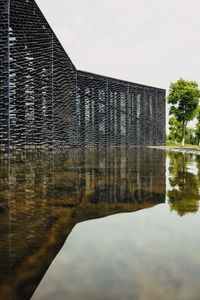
x,y
46,101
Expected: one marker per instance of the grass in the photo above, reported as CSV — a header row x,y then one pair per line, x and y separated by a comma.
x,y
178,145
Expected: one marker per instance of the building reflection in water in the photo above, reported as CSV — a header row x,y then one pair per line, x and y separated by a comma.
x,y
44,195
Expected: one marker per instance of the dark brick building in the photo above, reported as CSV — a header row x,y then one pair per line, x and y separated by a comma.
x,y
44,100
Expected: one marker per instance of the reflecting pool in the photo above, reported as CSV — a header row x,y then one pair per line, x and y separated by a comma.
x,y
117,224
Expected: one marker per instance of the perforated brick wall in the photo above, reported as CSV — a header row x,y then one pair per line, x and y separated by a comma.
x,y
44,100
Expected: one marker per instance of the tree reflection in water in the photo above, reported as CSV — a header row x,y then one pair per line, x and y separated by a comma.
x,y
184,194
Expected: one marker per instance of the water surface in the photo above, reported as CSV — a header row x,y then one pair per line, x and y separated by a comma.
x,y
100,225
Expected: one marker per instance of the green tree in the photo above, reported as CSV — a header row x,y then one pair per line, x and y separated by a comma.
x,y
197,129
174,130
190,136
184,99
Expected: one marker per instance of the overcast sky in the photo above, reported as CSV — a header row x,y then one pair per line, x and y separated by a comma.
x,y
146,41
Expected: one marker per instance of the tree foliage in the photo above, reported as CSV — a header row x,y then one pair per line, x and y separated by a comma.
x,y
184,99
175,130
197,131
198,114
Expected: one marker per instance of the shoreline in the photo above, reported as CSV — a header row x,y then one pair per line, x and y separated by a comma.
x,y
178,149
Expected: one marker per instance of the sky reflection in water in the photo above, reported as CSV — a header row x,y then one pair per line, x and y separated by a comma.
x,y
150,254
100,225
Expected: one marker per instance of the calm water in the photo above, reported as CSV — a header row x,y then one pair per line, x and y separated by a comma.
x,y
100,225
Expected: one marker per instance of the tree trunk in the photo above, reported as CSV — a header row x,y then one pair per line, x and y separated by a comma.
x,y
183,134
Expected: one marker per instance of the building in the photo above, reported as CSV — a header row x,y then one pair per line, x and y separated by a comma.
x,y
44,100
